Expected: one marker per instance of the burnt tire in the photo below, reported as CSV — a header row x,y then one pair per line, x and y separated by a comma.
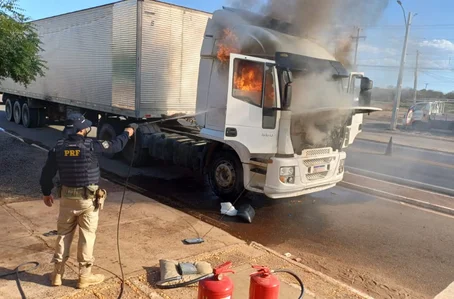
x,y
29,116
9,110
17,112
107,132
225,175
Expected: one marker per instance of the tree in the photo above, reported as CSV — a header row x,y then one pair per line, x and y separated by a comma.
x,y
19,45
450,95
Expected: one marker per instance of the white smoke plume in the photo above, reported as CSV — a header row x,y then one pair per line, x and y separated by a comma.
x,y
318,99
327,21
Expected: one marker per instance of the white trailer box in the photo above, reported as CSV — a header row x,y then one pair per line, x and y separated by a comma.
x,y
133,58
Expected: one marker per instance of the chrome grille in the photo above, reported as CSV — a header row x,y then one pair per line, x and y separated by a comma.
x,y
317,152
320,161
316,176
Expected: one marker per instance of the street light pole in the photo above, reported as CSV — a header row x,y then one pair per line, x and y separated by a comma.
x,y
415,87
401,75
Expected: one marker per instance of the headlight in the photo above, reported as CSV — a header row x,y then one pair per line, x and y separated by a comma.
x,y
287,171
287,174
341,166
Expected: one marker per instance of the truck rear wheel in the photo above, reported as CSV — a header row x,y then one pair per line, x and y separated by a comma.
x,y
17,112
225,175
9,110
29,116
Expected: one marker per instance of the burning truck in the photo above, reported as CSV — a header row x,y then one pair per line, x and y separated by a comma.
x,y
234,95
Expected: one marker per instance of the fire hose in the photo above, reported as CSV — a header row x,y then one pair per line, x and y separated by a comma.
x,y
125,187
17,271
300,282
163,283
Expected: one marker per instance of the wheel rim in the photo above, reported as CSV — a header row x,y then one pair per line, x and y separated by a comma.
x,y
225,175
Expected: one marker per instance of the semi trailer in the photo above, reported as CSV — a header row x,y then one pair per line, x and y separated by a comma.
x,y
236,114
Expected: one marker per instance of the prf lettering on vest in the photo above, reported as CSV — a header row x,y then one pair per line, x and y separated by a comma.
x,y
72,153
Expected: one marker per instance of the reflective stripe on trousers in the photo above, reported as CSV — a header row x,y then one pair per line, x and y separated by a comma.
x,y
73,213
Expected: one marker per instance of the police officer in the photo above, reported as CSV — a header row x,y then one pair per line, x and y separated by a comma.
x,y
76,159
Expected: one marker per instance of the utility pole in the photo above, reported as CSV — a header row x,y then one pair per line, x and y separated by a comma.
x,y
357,38
416,78
427,85
401,75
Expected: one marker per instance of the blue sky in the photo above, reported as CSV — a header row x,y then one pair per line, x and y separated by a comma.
x,y
432,34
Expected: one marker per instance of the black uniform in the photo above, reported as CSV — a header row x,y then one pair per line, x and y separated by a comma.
x,y
76,160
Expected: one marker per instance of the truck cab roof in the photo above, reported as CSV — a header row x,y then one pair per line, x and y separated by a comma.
x,y
261,35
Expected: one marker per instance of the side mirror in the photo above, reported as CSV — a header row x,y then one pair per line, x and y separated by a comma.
x,y
288,76
366,84
287,97
365,98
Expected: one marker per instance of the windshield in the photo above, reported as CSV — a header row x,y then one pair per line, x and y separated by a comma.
x,y
420,106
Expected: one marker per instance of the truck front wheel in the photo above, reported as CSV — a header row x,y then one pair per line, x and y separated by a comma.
x,y
225,175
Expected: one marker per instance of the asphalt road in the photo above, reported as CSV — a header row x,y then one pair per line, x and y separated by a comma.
x,y
429,167
387,249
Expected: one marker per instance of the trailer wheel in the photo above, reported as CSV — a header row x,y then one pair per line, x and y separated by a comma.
x,y
107,132
29,116
17,112
9,110
225,175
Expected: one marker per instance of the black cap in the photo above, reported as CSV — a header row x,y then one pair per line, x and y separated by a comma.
x,y
76,122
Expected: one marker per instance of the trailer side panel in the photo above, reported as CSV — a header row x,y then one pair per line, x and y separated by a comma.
x,y
172,38
90,56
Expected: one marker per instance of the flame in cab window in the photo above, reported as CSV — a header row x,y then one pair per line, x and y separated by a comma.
x,y
248,81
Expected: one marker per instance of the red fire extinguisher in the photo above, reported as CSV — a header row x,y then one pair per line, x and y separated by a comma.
x,y
263,285
217,286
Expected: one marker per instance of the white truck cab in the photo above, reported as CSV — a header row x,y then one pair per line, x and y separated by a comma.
x,y
247,104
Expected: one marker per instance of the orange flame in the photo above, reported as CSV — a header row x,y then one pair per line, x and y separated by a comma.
x,y
249,78
227,45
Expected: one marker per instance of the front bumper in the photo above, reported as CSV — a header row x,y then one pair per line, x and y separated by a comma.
x,y
308,177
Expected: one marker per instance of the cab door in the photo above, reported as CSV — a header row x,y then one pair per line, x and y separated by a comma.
x,y
251,115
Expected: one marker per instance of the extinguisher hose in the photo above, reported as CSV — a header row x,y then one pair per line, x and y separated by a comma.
x,y
296,277
163,283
